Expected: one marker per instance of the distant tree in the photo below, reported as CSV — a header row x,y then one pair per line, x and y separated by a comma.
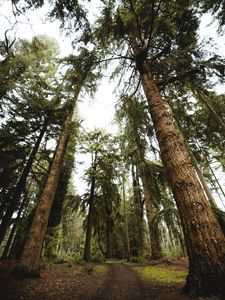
x,y
103,197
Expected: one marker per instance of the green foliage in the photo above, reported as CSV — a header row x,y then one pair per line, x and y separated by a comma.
x,y
70,13
101,270
88,269
104,171
216,7
97,257
139,259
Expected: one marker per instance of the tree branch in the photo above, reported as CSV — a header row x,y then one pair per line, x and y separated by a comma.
x,y
179,77
137,21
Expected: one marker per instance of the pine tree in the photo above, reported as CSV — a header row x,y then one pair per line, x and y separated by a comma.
x,y
163,47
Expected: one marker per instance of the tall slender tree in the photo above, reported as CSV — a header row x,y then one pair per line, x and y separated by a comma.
x,y
78,78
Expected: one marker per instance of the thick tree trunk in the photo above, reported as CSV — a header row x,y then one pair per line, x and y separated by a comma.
x,y
204,239
20,186
195,165
87,248
29,262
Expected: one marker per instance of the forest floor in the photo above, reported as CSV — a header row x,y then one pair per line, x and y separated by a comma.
x,y
112,280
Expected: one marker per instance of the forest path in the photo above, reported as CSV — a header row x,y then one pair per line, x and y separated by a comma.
x,y
63,282
122,283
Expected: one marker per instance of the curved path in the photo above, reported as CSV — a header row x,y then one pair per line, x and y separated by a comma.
x,y
122,283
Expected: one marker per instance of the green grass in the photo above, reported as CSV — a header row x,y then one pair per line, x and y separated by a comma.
x,y
101,270
158,274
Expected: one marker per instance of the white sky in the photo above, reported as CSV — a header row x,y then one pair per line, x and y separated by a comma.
x,y
97,112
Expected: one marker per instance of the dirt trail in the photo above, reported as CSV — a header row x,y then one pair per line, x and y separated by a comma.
x,y
122,283
64,283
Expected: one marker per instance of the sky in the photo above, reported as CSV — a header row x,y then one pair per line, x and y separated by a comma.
x,y
97,112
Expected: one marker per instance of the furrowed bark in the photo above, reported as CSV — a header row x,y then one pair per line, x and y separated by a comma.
x,y
29,261
204,239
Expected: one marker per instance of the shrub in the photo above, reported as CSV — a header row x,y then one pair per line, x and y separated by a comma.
x,y
88,269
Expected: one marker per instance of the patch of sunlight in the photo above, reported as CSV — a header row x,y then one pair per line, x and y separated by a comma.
x,y
101,270
160,274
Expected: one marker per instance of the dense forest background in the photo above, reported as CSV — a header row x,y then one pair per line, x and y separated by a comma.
x,y
152,188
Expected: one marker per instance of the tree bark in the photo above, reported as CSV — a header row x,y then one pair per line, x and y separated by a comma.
x,y
20,185
204,239
195,165
29,262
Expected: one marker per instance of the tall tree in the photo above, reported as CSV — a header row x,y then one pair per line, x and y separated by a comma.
x,y
103,197
137,125
78,78
163,47
31,106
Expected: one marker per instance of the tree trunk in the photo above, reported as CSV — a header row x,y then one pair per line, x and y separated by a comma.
x,y
108,236
204,239
125,218
15,226
138,208
199,172
20,185
156,251
87,248
29,262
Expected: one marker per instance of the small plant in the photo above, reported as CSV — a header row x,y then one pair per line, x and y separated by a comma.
x,y
60,260
138,259
88,269
134,259
97,258
101,270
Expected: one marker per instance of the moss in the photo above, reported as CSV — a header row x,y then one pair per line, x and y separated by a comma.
x,y
101,270
160,274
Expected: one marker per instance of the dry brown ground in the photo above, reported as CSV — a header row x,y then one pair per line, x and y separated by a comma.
x,y
63,283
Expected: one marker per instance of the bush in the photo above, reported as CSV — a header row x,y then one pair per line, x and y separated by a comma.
x,y
88,269
60,260
77,258
138,259
97,258
134,259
